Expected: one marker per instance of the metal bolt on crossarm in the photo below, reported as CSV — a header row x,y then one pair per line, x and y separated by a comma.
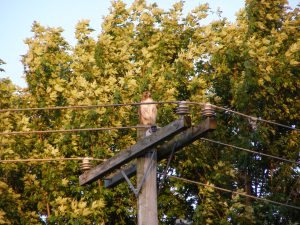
x,y
86,164
182,108
208,110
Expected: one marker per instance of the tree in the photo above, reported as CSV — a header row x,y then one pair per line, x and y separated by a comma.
x,y
254,70
10,204
1,63
250,66
49,61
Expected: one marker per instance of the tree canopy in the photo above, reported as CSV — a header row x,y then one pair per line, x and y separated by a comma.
x,y
250,65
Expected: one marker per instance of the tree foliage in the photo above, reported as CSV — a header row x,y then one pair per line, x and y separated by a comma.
x,y
250,65
1,63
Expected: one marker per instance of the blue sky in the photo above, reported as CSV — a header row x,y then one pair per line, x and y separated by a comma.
x,y
17,17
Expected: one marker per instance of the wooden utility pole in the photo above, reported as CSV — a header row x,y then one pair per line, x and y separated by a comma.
x,y
147,197
148,150
146,179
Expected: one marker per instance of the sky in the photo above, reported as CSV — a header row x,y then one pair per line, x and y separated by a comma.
x,y
17,16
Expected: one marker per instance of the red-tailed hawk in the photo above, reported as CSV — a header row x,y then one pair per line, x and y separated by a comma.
x,y
148,112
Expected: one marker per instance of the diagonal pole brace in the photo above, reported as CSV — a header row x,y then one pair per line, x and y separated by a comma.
x,y
130,184
167,168
137,190
147,172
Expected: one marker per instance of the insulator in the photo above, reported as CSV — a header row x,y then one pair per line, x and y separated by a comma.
x,y
182,109
253,122
208,110
86,164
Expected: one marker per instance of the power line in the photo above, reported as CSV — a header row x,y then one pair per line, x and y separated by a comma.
x,y
145,103
86,106
204,139
69,130
233,192
247,116
47,160
255,118
248,150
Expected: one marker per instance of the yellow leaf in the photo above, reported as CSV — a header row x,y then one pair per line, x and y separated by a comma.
x,y
288,54
86,212
269,17
58,88
132,84
64,182
82,205
267,78
294,62
260,82
62,208
269,69
295,47
53,95
252,53
266,41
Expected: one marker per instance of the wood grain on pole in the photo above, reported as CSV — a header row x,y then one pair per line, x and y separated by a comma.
x,y
147,197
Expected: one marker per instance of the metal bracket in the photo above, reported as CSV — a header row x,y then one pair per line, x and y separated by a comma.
x,y
130,184
167,168
137,190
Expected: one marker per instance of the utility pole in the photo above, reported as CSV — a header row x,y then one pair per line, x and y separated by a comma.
x,y
148,149
146,179
147,198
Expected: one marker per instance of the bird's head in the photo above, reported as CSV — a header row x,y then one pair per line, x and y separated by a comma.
x,y
146,95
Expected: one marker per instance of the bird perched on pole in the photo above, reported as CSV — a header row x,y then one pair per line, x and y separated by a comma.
x,y
147,112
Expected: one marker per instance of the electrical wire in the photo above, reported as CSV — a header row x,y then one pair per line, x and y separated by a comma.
x,y
256,118
204,139
248,150
86,106
136,127
253,118
69,130
233,192
145,103
48,159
